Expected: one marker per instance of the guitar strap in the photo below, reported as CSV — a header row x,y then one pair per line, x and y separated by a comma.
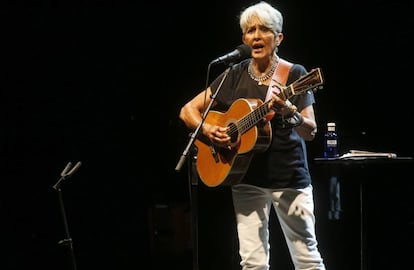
x,y
279,77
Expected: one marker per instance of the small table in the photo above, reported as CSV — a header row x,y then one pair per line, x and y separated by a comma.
x,y
334,187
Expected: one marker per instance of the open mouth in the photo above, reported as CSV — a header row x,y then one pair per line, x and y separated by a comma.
x,y
257,47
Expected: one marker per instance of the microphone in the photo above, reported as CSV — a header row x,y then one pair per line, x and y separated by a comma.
x,y
66,173
240,53
74,169
66,169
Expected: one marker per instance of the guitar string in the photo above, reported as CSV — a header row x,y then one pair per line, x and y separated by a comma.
x,y
249,120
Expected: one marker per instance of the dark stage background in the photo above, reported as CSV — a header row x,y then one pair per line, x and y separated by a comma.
x,y
86,81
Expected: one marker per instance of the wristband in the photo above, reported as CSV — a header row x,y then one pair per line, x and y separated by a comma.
x,y
295,120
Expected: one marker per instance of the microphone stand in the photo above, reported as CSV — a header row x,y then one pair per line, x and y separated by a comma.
x,y
68,240
194,135
192,171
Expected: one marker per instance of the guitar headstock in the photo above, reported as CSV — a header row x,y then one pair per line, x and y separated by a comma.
x,y
312,80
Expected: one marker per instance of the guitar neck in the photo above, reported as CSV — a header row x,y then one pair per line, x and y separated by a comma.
x,y
252,118
310,81
258,114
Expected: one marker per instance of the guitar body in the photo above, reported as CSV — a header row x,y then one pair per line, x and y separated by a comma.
x,y
226,166
249,130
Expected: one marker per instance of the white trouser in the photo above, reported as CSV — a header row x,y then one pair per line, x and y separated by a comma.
x,y
294,209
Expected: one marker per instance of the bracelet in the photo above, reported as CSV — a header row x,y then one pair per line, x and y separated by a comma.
x,y
293,121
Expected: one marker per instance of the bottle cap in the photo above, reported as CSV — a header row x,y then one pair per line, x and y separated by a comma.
x,y
331,124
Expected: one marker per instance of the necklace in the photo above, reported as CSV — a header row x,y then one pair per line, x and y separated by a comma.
x,y
265,77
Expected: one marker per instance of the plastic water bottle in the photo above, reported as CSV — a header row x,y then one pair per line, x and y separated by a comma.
x,y
330,141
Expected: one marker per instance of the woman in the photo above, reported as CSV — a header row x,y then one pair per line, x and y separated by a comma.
x,y
277,176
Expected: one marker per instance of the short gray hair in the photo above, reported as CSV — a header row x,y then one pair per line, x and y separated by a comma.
x,y
267,14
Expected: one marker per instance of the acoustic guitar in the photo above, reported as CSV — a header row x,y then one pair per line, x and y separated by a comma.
x,y
250,132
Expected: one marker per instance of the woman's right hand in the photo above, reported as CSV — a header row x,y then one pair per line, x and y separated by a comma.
x,y
218,135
